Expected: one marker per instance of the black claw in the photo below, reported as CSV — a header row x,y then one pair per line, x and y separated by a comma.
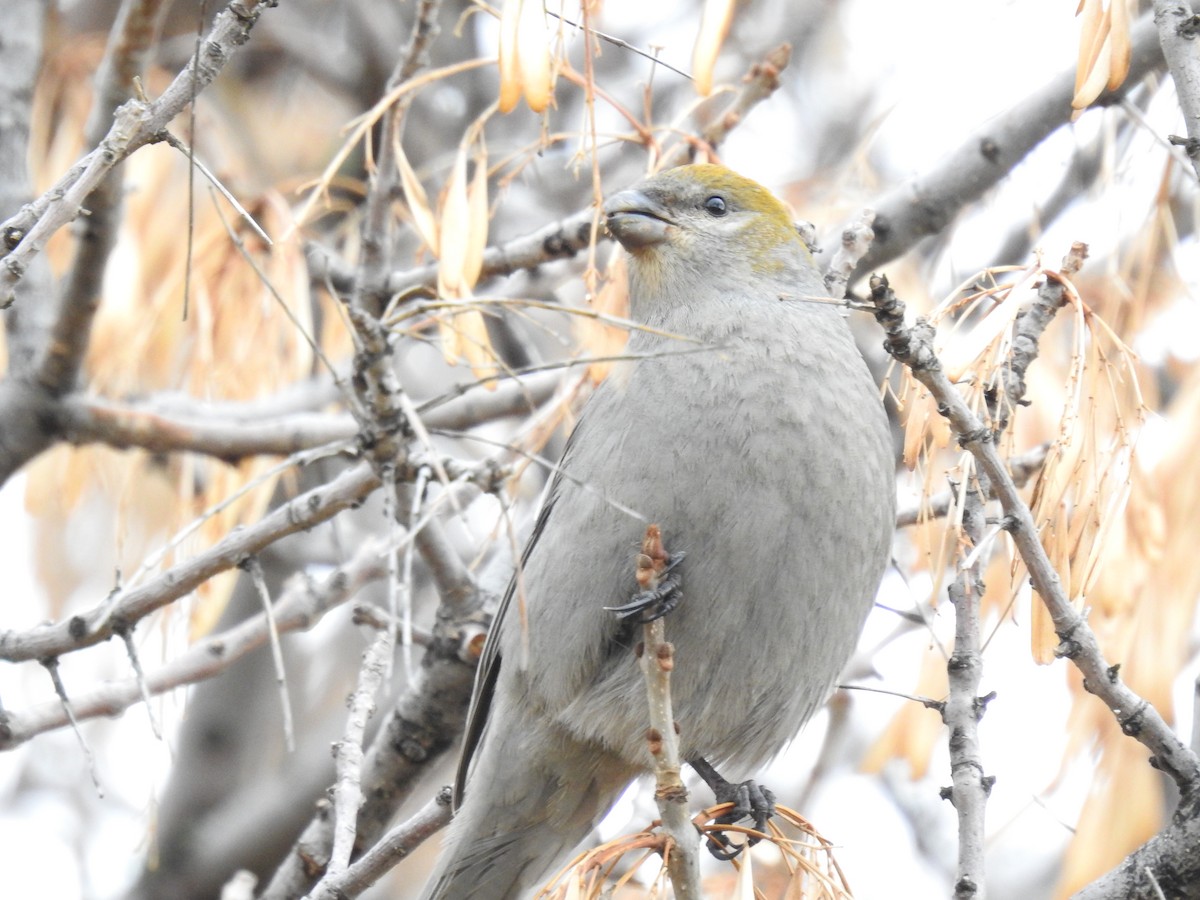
x,y
749,800
656,602
723,848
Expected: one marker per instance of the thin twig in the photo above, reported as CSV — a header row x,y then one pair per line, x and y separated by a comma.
x,y
140,678
51,665
254,567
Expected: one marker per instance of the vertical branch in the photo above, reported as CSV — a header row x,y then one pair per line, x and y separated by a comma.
x,y
254,567
964,707
133,34
1178,29
657,660
370,291
348,752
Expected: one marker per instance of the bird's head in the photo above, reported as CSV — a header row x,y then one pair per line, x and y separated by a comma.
x,y
704,224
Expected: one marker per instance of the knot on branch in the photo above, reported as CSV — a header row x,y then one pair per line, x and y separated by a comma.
x,y
1190,145
1189,28
911,346
1068,649
965,887
981,704
1131,725
978,436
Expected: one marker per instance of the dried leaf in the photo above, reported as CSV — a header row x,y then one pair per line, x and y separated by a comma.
x,y
533,55
598,338
714,26
1123,811
453,228
970,352
1091,20
744,890
416,199
477,220
510,69
1122,49
1095,56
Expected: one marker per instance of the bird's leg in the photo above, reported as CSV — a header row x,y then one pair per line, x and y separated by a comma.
x,y
749,799
657,601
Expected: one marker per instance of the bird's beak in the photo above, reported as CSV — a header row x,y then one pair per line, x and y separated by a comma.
x,y
636,220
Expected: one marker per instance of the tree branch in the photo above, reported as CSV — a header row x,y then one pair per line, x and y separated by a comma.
x,y
1178,29
928,203
913,347
301,605
132,36
135,124
129,606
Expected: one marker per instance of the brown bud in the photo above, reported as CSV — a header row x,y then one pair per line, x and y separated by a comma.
x,y
654,739
666,656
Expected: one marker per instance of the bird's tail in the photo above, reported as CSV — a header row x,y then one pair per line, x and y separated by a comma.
x,y
531,798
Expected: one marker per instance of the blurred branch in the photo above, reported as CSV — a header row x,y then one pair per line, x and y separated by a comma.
x,y
135,124
423,724
133,34
1021,467
1178,29
301,606
392,848
86,420
22,24
913,347
927,204
1080,174
129,606
231,431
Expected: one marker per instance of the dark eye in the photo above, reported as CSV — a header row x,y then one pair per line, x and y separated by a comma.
x,y
716,206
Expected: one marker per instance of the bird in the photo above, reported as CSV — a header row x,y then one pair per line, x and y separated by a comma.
x,y
744,422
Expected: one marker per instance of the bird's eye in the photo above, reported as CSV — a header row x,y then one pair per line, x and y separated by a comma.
x,y
716,206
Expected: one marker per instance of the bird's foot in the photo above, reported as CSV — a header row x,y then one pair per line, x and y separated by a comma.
x,y
659,600
749,799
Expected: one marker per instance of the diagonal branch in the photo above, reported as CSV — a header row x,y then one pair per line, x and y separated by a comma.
x,y
913,347
301,605
135,124
927,204
129,606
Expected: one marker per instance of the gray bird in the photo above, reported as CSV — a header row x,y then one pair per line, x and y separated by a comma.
x,y
760,447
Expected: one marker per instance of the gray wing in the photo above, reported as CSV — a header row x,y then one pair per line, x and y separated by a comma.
x,y
489,660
